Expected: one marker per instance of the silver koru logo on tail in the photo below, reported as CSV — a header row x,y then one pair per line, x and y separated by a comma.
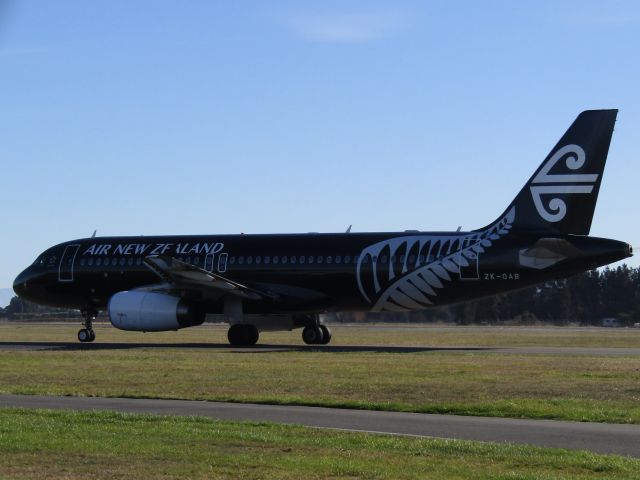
x,y
556,208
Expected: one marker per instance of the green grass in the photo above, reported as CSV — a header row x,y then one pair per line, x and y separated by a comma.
x,y
602,389
63,444
582,388
435,335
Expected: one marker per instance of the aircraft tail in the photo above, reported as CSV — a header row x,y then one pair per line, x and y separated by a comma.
x,y
561,196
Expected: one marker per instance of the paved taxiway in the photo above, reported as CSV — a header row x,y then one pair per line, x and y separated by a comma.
x,y
596,437
579,351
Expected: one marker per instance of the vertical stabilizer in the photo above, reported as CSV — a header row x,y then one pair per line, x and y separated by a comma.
x,y
561,196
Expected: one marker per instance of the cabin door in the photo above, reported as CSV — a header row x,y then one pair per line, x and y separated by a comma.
x,y
65,270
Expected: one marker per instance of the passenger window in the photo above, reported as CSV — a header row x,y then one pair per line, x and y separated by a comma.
x,y
267,260
188,260
139,261
302,259
196,261
90,262
232,260
293,259
249,260
240,260
320,259
276,259
122,261
130,261
258,260
283,259
99,261
338,259
347,259
82,262
329,259
311,258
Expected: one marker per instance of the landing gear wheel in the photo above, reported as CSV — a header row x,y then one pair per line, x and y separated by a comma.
x,y
312,335
87,334
243,334
326,334
84,335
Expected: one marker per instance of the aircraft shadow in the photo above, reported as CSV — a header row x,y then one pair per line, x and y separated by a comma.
x,y
260,348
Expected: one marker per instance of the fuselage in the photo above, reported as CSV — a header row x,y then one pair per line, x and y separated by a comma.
x,y
315,272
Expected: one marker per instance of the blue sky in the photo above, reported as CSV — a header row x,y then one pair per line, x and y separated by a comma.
x,y
154,117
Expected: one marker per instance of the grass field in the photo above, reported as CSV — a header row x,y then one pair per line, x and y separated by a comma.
x,y
387,334
55,444
586,388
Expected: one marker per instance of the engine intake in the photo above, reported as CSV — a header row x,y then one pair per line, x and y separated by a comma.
x,y
152,312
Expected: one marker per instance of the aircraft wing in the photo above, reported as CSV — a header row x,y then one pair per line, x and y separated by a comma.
x,y
181,275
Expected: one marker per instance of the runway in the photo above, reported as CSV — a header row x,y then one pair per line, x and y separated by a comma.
x,y
524,350
595,437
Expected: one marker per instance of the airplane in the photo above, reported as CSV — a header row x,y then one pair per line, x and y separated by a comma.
x,y
281,282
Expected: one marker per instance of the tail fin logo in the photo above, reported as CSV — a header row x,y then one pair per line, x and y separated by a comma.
x,y
546,184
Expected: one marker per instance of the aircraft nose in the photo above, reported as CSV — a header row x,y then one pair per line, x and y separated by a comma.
x,y
20,284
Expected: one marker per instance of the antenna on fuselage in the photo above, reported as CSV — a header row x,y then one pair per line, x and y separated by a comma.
x,y
349,229
459,228
94,234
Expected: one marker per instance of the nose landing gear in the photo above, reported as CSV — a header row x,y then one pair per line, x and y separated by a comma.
x,y
87,334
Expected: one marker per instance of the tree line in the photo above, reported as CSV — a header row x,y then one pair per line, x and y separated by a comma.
x,y
585,298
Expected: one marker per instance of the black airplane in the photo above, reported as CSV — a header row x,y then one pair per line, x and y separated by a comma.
x,y
285,281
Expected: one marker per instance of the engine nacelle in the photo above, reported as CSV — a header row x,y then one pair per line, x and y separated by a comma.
x,y
152,312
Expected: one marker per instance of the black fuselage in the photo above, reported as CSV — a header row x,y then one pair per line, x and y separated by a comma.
x,y
314,272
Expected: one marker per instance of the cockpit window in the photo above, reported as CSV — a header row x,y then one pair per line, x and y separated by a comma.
x,y
46,259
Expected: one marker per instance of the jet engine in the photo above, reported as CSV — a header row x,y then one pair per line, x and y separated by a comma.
x,y
152,312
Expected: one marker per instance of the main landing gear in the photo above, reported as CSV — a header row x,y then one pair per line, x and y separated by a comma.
x,y
243,334
87,334
315,333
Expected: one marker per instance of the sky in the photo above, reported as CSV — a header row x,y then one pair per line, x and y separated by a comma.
x,y
158,117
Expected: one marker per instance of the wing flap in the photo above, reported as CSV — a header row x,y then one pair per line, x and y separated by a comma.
x,y
180,274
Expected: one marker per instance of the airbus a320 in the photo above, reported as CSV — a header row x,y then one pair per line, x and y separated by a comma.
x,y
285,281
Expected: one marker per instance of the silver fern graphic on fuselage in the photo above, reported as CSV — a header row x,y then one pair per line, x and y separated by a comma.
x,y
405,273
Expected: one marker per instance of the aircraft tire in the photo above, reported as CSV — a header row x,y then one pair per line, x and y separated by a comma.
x,y
243,334
326,334
92,336
312,335
84,335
